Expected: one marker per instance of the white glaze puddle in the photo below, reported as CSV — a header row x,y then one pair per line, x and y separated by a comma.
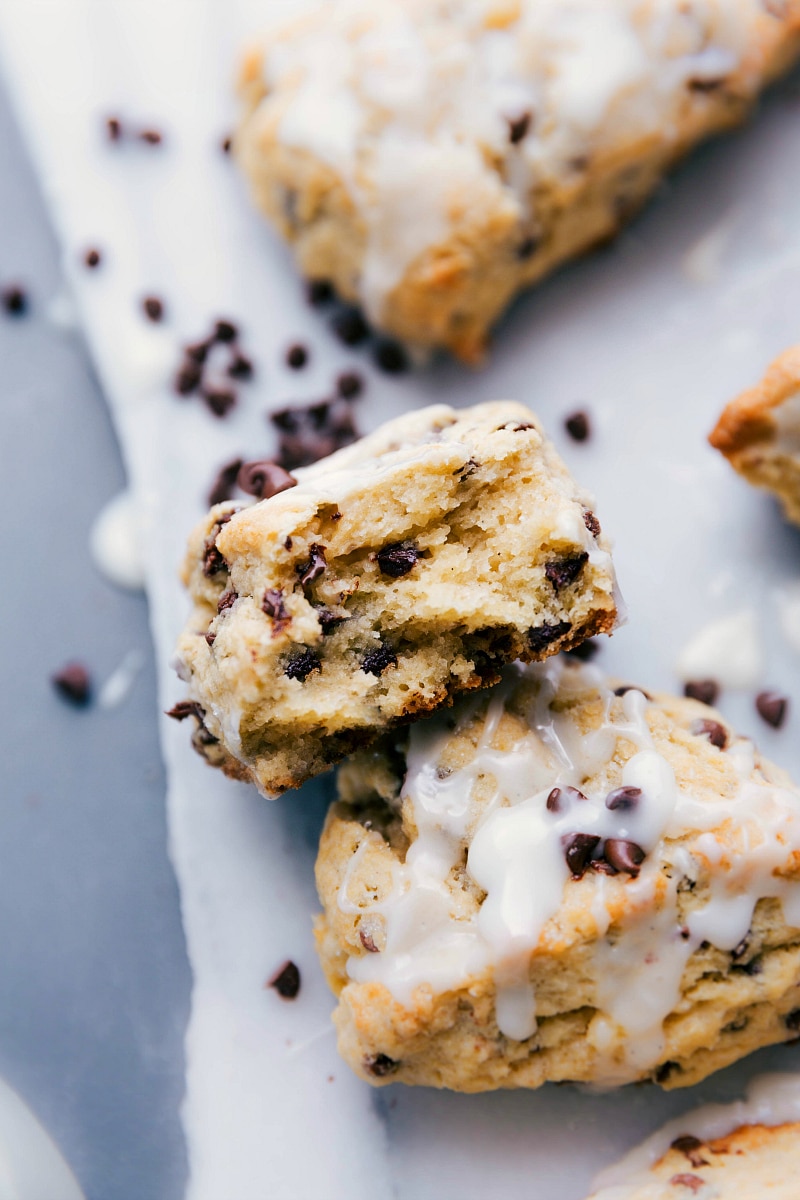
x,y
116,542
31,1166
728,649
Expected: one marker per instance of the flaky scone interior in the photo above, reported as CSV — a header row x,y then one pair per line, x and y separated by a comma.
x,y
562,879
393,575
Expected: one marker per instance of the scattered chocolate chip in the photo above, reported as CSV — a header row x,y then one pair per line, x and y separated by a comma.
x,y
264,479
564,571
693,1182
792,1020
301,665
274,607
225,332
380,1065
315,565
715,733
367,942
398,559
578,426
296,356
544,635
772,708
153,308
213,562
14,300
623,855
224,484
318,292
585,652
350,327
561,797
186,708
689,1145
113,129
704,690
312,431
376,661
197,351
349,385
527,248
226,145
518,127
219,400
92,258
240,367
578,850
151,137
591,522
623,799
226,601
390,357
73,682
188,377
286,981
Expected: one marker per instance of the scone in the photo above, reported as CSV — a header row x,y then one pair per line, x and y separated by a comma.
x,y
396,573
749,1150
562,879
759,433
430,158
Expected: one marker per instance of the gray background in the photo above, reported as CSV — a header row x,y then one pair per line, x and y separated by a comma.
x,y
90,1036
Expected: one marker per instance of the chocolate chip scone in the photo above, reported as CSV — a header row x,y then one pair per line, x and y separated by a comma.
x,y
562,879
392,575
430,158
759,433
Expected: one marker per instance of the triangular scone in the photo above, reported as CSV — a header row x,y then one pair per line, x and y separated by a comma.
x,y
749,1150
562,879
398,572
759,432
430,158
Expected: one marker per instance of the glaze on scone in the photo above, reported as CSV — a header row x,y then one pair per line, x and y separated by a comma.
x,y
432,157
398,572
748,1150
759,433
501,909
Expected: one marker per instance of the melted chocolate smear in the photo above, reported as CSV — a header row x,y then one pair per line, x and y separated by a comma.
x,y
690,1145
564,571
544,635
313,567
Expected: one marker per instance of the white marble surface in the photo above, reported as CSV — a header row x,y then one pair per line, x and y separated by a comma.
x,y
638,335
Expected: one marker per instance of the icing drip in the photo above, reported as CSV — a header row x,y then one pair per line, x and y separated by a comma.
x,y
496,826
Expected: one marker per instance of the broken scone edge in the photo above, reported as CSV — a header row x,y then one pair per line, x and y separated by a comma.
x,y
301,648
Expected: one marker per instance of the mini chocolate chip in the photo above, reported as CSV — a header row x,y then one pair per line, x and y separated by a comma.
x,y
349,385
367,942
578,426
398,559
188,377
240,367
390,357
591,522
693,1182
286,981
350,327
73,682
14,300
689,1145
213,562
312,431
380,1065
225,483
715,732
704,690
328,620
210,638
226,601
772,707
578,850
153,308
623,799
225,331
585,652
113,129
318,292
219,400
92,258
152,137
527,248
274,607
564,571
623,855
301,665
518,127
559,795
296,356
313,567
376,661
226,145
264,479
197,351
186,708
542,636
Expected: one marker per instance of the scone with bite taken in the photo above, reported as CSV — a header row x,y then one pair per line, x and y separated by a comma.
x,y
759,433
430,158
380,583
561,879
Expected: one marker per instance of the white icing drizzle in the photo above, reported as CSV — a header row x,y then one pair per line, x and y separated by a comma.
x,y
117,687
115,542
770,1100
728,649
410,103
511,846
787,599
